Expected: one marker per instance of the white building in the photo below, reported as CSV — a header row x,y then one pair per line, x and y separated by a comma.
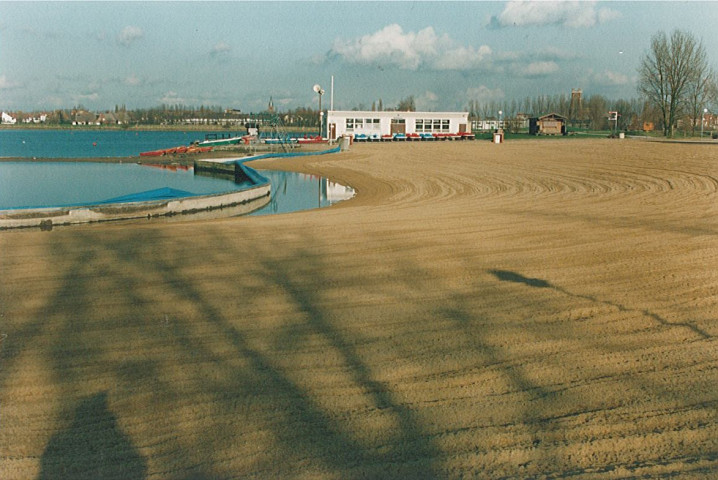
x,y
8,119
388,123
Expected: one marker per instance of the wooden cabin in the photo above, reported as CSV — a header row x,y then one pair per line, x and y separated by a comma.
x,y
551,124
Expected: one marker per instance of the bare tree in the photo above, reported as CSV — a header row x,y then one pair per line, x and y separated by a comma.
x,y
702,92
407,104
666,72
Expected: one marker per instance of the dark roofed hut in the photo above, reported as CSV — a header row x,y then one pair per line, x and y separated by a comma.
x,y
551,124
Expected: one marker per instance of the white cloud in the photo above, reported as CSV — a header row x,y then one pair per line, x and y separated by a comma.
x,y
461,58
6,84
609,78
483,93
172,98
129,34
427,101
91,97
219,48
132,81
575,14
410,50
538,69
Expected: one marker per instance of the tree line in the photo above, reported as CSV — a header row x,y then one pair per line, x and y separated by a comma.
x,y
676,86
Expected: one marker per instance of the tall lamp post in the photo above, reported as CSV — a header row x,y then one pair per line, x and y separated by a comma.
x,y
319,91
703,119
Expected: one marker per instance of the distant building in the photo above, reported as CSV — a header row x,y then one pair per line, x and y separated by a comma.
x,y
487,124
83,117
109,118
35,118
388,123
550,124
8,119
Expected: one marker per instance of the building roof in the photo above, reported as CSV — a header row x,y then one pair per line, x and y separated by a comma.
x,y
551,115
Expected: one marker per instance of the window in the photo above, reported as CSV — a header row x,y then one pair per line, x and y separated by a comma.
x,y
431,125
359,124
354,124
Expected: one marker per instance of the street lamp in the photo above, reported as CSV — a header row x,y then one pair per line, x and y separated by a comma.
x,y
500,113
705,110
319,91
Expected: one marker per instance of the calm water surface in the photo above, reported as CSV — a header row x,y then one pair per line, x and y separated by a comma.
x,y
68,143
33,185
26,185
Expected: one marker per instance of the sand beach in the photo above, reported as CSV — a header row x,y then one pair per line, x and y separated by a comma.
x,y
536,309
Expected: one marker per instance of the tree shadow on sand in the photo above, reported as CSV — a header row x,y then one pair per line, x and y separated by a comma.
x,y
92,447
513,277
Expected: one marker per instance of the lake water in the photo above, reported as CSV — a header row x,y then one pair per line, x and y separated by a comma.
x,y
30,184
68,143
45,184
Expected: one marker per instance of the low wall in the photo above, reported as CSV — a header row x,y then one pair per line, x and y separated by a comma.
x,y
246,200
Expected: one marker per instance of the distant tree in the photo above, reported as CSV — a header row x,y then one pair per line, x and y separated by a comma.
x,y
597,112
407,104
667,71
702,92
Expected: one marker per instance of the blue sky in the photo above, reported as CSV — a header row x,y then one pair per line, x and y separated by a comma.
x,y
238,54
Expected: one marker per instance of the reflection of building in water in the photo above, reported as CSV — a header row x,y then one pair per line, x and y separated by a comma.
x,y
337,192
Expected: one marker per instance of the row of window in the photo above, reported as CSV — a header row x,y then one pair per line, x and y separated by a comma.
x,y
363,124
422,125
427,125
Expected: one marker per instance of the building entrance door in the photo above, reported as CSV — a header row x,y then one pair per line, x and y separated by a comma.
x,y
398,125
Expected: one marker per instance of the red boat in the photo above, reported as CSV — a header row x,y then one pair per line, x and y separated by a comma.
x,y
307,140
175,150
154,153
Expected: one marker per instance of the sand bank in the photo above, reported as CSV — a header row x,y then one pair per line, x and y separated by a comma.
x,y
531,309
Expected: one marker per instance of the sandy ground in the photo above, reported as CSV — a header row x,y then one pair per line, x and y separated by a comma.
x,y
541,309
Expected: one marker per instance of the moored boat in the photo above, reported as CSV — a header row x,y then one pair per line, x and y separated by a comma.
x,y
217,142
308,140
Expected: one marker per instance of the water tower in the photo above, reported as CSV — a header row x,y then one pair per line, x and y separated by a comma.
x,y
575,110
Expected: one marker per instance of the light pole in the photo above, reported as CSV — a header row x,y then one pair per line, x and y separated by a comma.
x,y
320,91
500,126
705,110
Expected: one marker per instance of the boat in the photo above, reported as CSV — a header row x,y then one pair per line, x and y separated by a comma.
x,y
212,140
361,137
176,151
400,137
427,137
374,137
308,140
413,137
153,153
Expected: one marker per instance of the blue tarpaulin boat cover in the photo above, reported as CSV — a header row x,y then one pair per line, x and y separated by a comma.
x,y
165,193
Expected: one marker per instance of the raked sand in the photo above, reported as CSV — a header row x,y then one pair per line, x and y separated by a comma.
x,y
536,309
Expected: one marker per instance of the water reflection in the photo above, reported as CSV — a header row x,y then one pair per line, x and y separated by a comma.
x,y
293,192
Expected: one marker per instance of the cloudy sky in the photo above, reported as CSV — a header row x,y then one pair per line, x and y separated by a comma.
x,y
238,54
